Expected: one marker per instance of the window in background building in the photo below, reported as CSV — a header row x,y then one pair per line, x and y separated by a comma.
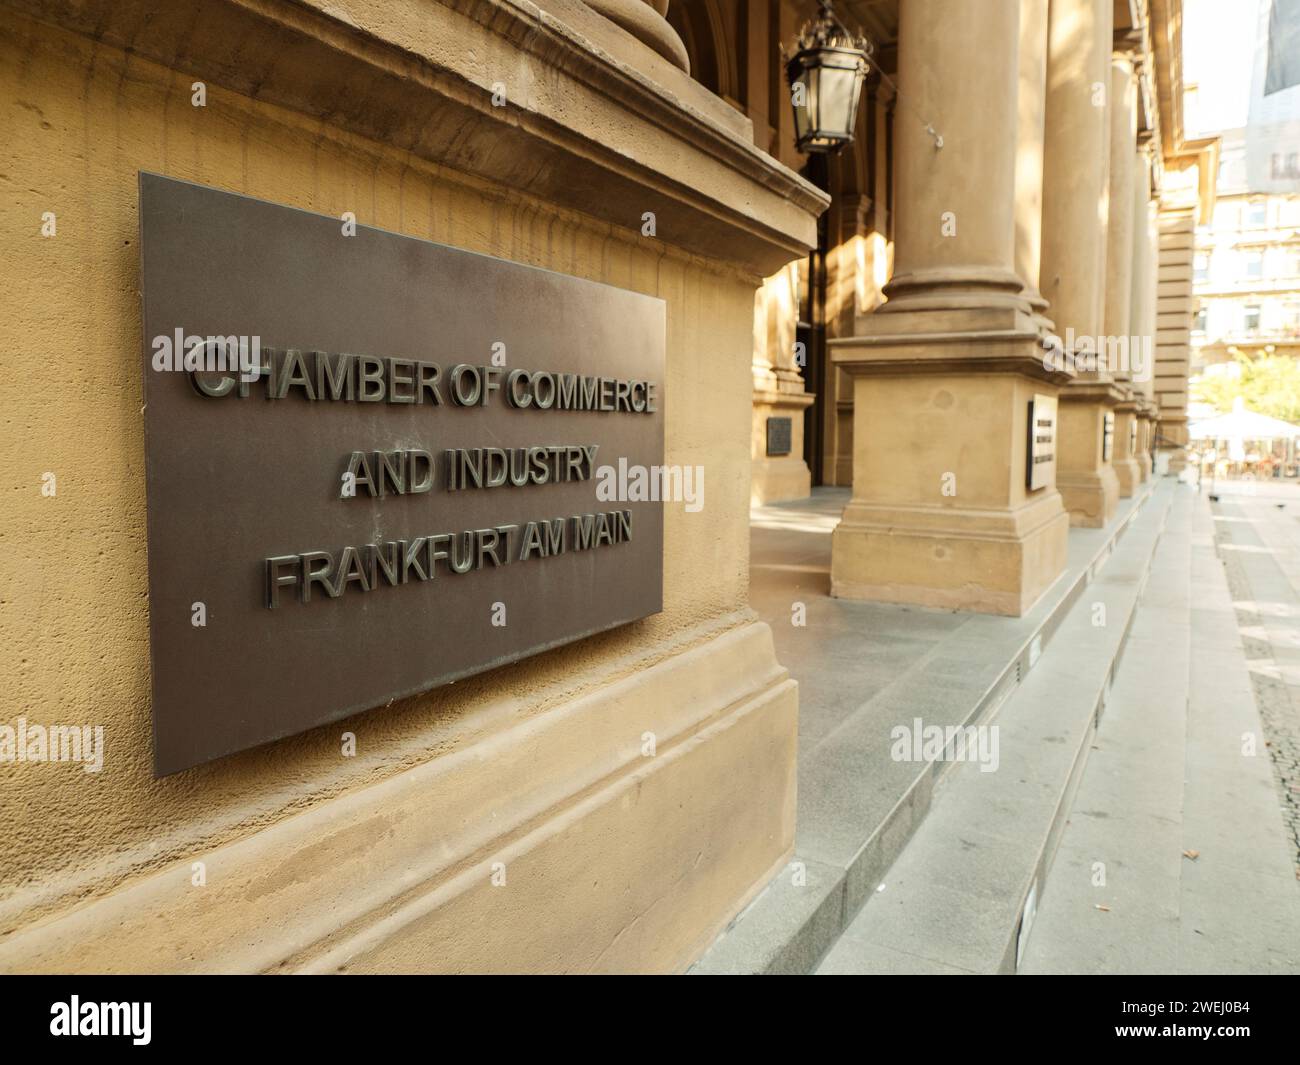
x,y
1198,323
1254,264
1202,267
1257,214
1251,319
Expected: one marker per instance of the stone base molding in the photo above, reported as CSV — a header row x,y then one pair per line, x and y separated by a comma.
x,y
988,562
563,842
1127,468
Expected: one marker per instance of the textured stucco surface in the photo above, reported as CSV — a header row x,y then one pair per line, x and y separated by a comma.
x,y
80,121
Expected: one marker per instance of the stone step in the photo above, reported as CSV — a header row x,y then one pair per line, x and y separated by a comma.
x,y
1177,820
962,896
858,807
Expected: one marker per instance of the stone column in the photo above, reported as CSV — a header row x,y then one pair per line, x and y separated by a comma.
x,y
945,371
1120,243
1152,327
1031,113
1075,210
1142,307
855,275
955,225
759,52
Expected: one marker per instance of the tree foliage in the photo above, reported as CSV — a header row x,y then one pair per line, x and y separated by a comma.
x,y
1269,384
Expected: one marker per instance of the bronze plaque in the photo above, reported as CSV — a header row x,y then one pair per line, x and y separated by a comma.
x,y
1041,453
779,434
376,464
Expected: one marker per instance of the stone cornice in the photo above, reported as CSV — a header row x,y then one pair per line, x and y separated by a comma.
x,y
778,398
1011,351
593,120
1108,392
1165,29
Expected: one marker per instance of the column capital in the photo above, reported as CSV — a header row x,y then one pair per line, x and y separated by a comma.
x,y
946,341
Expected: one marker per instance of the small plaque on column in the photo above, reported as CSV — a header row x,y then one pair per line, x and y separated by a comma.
x,y
1132,438
779,431
1108,436
1040,469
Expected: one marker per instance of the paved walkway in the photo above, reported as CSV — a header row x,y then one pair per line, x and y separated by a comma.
x,y
1175,857
953,900
1150,843
864,669
1257,529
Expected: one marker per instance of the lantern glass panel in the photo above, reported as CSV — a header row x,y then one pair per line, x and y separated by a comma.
x,y
802,123
837,99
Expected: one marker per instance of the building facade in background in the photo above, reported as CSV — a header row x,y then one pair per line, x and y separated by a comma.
x,y
1247,269
1248,255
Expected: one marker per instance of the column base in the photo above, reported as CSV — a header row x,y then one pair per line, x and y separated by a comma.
x,y
779,478
1087,481
985,561
1172,428
1146,438
1128,475
1090,498
942,514
779,481
1124,459
1143,460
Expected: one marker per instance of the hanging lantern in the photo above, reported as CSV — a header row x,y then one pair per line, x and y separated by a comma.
x,y
825,74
